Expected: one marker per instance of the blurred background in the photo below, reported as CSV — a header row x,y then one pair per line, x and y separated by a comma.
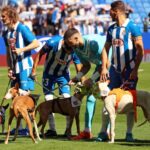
x,y
49,18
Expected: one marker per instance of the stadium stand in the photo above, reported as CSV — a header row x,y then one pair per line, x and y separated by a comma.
x,y
141,9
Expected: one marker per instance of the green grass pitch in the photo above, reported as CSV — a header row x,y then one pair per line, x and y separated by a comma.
x,y
142,134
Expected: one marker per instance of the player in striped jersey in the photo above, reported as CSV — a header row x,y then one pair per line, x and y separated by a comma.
x,y
88,48
19,42
56,70
125,38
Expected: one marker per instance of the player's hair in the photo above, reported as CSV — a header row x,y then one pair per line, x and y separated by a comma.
x,y
11,12
70,32
118,5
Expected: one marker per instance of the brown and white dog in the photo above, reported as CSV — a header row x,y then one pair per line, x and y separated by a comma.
x,y
124,106
2,116
65,106
21,107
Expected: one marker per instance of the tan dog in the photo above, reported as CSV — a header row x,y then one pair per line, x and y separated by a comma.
x,y
22,106
65,106
125,106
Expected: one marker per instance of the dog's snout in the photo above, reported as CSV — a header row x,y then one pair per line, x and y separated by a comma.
x,y
8,96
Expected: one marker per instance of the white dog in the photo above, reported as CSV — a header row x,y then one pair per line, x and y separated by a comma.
x,y
123,104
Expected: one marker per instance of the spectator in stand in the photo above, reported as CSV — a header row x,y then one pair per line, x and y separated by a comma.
x,y
39,21
99,29
102,11
49,26
13,3
91,27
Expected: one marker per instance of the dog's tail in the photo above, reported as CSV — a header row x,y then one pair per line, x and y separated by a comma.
x,y
142,123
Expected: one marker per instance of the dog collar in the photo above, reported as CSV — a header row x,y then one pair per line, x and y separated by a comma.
x,y
75,102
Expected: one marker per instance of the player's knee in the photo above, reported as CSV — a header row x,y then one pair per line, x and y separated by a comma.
x,y
49,97
66,95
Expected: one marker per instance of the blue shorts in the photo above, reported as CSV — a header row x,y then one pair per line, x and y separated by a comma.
x,y
117,79
49,82
24,81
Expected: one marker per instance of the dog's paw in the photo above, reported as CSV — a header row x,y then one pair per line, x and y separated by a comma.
x,y
6,142
39,139
36,142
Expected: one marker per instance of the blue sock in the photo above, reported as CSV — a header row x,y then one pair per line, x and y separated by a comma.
x,y
90,110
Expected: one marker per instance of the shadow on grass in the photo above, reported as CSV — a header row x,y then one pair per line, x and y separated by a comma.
x,y
61,137
2,141
122,142
135,143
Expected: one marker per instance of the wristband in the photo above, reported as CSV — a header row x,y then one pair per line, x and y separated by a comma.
x,y
95,76
79,76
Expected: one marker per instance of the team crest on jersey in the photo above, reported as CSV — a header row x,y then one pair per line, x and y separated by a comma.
x,y
123,32
117,42
60,61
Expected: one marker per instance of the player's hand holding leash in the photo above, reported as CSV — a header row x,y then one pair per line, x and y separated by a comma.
x,y
104,75
76,79
33,76
11,74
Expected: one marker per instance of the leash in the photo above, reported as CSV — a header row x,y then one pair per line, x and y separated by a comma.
x,y
60,86
33,78
46,88
5,93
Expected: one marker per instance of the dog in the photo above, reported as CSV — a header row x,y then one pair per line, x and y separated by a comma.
x,y
65,106
2,116
124,104
21,107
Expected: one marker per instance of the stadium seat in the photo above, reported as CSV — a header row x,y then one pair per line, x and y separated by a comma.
x,y
141,9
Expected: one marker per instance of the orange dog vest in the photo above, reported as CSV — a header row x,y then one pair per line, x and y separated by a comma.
x,y
119,93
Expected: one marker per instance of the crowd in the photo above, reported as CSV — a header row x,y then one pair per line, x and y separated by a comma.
x,y
47,18
123,36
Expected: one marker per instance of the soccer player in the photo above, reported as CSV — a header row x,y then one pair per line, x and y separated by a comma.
x,y
125,38
19,41
56,71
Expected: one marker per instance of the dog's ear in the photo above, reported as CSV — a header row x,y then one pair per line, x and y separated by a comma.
x,y
6,106
17,86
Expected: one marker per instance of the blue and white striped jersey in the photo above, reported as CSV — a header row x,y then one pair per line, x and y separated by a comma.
x,y
123,47
92,49
21,36
57,60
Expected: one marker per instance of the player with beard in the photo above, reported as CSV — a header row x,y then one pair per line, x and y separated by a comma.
x,y
88,48
125,38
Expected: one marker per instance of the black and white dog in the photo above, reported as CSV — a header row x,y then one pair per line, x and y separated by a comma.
x,y
2,116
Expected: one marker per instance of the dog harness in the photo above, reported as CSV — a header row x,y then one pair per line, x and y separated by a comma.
x,y
119,93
